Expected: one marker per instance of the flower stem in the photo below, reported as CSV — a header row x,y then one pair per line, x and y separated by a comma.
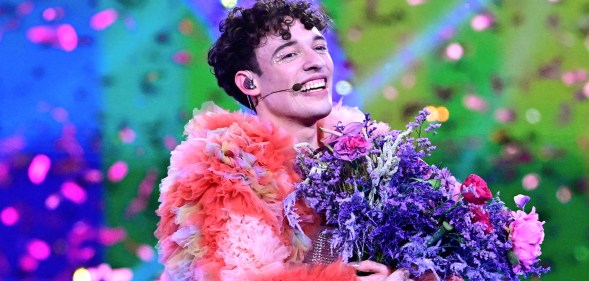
x,y
440,233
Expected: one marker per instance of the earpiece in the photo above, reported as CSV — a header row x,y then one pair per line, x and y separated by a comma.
x,y
249,84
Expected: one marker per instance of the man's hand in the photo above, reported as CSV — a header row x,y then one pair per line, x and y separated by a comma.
x,y
380,272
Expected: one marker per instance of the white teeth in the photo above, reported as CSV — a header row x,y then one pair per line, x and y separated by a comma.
x,y
319,83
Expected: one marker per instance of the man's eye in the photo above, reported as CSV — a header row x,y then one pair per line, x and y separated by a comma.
x,y
321,48
289,56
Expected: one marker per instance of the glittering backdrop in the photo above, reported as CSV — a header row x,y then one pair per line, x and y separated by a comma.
x,y
94,95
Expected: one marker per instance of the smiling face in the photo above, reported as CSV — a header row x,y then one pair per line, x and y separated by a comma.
x,y
303,59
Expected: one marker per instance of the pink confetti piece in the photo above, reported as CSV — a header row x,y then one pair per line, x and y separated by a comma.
x,y
93,176
60,114
531,181
564,194
4,173
182,57
73,192
52,202
170,142
103,19
41,34
25,8
39,168
39,249
415,2
111,236
118,171
12,144
81,254
454,51
475,103
105,272
504,115
127,135
145,253
574,77
9,216
482,22
28,263
53,13
67,37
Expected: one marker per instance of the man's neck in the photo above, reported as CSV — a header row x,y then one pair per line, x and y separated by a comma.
x,y
300,132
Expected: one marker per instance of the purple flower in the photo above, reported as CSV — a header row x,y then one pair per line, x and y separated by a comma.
x,y
521,200
351,147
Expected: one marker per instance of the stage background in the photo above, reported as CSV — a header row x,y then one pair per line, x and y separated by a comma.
x,y
95,94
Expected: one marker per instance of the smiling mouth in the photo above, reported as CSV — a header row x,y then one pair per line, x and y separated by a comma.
x,y
314,86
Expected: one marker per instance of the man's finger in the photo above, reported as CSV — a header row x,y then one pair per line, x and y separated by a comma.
x,y
399,275
371,266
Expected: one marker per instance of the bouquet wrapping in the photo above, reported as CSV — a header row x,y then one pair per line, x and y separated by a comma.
x,y
383,202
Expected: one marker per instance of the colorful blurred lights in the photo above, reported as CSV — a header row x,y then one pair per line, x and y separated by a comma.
x,y
228,4
437,114
73,192
454,51
103,19
39,249
504,115
118,171
25,8
531,181
481,22
9,216
343,87
82,274
533,116
475,103
415,2
145,253
39,168
564,194
67,37
127,135
390,93
182,57
52,202
51,14
28,263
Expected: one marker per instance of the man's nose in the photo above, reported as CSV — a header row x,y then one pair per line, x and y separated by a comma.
x,y
313,61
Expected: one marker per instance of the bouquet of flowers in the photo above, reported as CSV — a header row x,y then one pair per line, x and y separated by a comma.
x,y
383,202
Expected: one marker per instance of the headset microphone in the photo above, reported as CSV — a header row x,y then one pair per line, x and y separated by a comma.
x,y
295,88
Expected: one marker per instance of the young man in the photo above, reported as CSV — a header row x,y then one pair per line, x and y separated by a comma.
x,y
221,204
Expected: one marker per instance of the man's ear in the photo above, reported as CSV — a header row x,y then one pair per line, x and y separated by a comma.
x,y
246,82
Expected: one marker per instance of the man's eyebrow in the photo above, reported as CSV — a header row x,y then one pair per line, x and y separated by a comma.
x,y
319,37
287,44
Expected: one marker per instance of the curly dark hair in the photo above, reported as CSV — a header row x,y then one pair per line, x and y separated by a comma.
x,y
242,31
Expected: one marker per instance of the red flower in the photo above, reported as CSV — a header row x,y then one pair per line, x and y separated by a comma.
x,y
482,217
483,194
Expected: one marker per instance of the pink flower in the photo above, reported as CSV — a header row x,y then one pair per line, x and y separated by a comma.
x,y
483,194
350,117
351,147
526,233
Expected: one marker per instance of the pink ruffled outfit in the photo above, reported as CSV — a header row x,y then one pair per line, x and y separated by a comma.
x,y
222,205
